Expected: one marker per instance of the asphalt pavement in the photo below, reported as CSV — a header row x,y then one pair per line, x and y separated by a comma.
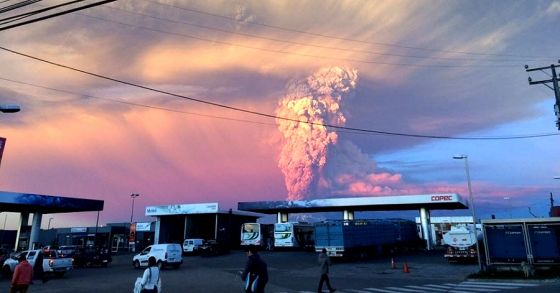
x,y
294,272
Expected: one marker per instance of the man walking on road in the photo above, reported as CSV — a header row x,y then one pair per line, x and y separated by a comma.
x,y
324,263
23,275
255,274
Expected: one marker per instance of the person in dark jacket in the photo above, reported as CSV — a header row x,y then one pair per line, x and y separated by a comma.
x,y
324,263
38,271
255,274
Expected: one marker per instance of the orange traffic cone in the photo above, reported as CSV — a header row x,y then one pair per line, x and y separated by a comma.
x,y
405,268
393,266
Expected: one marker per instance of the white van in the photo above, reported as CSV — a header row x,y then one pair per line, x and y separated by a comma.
x,y
165,254
192,245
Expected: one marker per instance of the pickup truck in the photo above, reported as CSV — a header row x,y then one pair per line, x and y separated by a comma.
x,y
51,262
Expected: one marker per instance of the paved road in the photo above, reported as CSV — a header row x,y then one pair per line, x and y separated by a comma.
x,y
291,272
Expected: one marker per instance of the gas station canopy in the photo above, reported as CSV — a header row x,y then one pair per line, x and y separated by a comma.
x,y
447,201
46,204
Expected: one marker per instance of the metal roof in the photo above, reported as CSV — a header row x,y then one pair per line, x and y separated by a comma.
x,y
521,221
435,201
46,204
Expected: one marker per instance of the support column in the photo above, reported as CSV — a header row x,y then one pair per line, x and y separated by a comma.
x,y
216,228
185,228
35,229
157,230
426,225
282,217
348,215
23,222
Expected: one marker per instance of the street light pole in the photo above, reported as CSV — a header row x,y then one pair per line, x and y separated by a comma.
x,y
471,203
509,206
133,196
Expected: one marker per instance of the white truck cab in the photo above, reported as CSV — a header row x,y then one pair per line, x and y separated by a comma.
x,y
165,254
192,245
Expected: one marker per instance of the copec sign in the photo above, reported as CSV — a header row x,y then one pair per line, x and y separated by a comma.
x,y
441,198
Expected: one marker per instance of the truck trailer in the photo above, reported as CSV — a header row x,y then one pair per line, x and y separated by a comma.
x,y
460,242
347,238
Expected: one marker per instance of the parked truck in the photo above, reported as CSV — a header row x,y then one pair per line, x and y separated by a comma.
x,y
51,262
461,243
360,237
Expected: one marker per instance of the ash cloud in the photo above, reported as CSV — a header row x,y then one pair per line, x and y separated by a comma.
x,y
317,99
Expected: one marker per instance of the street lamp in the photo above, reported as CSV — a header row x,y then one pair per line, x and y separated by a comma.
x,y
49,226
133,196
471,204
509,205
9,108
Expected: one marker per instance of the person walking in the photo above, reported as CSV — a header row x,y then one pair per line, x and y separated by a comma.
x,y
324,263
38,271
151,281
255,274
23,275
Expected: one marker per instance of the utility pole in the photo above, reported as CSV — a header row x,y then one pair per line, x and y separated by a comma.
x,y
554,80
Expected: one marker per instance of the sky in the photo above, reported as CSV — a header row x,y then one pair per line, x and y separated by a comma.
x,y
406,85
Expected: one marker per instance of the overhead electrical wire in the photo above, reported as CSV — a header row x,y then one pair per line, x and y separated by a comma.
x,y
18,5
256,113
35,12
135,104
342,38
305,44
55,14
280,51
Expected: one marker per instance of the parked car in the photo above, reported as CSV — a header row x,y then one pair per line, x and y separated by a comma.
x,y
52,263
4,255
192,246
49,248
67,250
212,247
90,256
165,254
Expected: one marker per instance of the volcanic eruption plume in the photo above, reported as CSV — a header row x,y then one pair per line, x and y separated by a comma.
x,y
317,99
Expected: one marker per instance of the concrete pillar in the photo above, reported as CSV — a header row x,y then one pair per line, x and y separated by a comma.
x,y
35,229
157,230
185,228
426,225
348,215
282,217
23,222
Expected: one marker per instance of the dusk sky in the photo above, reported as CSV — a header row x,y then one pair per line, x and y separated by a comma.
x,y
419,69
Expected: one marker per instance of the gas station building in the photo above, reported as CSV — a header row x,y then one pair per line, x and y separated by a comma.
x,y
424,203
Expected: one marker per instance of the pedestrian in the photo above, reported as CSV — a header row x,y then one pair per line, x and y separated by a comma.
x,y
38,271
255,274
324,263
23,274
151,281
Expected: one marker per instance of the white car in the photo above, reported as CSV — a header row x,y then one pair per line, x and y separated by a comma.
x,y
192,245
52,263
168,254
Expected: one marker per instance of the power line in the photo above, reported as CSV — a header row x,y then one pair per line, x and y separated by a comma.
x,y
31,13
135,104
342,38
300,43
56,14
17,5
256,113
279,51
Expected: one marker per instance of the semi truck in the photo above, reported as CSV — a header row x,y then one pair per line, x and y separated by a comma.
x,y
350,238
461,243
